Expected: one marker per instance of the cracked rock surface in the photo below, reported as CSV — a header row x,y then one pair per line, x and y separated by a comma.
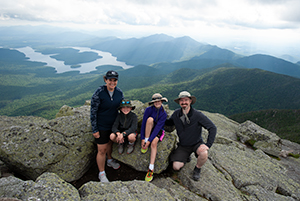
x,y
64,146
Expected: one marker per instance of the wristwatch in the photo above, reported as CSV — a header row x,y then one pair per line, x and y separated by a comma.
x,y
124,134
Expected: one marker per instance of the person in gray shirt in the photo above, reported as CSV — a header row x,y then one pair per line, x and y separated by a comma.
x,y
124,128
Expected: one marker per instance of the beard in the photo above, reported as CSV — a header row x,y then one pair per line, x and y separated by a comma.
x,y
184,106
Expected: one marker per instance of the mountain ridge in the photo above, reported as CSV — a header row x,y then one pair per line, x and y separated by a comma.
x,y
149,50
236,90
223,81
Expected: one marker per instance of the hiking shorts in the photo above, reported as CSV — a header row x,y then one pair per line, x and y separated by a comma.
x,y
161,135
104,137
126,138
182,154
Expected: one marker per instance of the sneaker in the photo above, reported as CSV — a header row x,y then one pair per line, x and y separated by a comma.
x,y
113,164
144,150
130,148
121,148
103,178
149,175
196,173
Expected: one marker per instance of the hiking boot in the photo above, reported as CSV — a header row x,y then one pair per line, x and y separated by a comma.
x,y
149,175
196,173
103,178
144,150
130,148
113,164
121,148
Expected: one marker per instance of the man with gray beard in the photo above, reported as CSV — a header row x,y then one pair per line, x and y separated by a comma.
x,y
188,123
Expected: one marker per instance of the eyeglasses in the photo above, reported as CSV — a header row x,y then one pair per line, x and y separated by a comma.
x,y
125,102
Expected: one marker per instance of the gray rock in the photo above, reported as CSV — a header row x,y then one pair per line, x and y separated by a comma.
x,y
140,161
129,190
248,168
9,199
177,191
260,138
47,187
64,146
32,145
213,184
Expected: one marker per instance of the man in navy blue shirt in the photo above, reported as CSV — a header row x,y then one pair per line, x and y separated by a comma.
x,y
188,123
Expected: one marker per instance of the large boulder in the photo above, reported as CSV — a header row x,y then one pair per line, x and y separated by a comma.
x,y
234,170
31,146
177,191
140,161
48,186
128,190
65,145
259,138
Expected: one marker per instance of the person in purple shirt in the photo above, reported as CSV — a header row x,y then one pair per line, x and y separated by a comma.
x,y
152,129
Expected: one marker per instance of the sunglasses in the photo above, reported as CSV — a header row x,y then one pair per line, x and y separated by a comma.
x,y
112,73
156,98
125,102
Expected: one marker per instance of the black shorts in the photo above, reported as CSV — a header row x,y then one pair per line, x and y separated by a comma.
x,y
160,135
104,137
181,154
126,138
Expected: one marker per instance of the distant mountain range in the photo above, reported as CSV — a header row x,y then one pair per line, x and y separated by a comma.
x,y
223,81
252,87
157,49
152,50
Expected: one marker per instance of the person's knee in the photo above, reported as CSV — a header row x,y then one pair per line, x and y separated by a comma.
x,y
131,138
150,120
202,154
112,137
177,165
102,151
153,145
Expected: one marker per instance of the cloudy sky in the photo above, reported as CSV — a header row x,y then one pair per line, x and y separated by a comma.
x,y
264,24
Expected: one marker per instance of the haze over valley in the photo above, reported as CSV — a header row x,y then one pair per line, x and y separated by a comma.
x,y
69,66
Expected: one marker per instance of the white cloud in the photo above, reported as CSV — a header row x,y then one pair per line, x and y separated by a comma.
x,y
244,13
264,21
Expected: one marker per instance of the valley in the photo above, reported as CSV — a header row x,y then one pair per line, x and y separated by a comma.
x,y
223,82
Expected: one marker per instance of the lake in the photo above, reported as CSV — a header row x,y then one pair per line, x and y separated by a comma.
x,y
60,67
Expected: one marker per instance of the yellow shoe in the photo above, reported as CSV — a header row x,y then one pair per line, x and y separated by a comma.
x,y
149,175
144,150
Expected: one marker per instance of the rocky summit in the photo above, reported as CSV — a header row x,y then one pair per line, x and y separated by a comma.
x,y
246,162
